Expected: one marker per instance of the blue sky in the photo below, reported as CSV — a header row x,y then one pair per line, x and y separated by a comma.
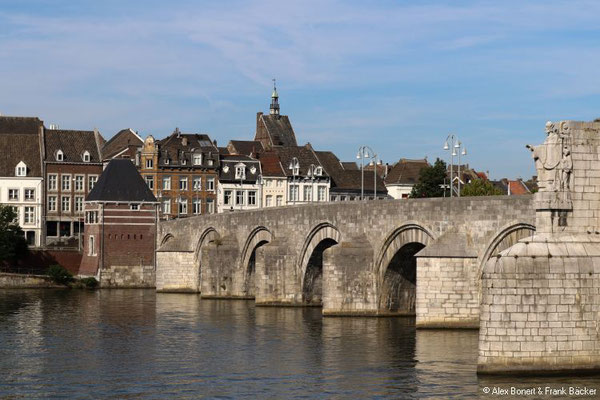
x,y
398,76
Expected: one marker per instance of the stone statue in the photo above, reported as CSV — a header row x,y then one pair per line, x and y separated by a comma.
x,y
552,158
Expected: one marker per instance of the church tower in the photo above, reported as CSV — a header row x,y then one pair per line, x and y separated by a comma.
x,y
274,101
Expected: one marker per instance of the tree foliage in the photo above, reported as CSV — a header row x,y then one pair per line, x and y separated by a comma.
x,y
12,241
480,187
431,181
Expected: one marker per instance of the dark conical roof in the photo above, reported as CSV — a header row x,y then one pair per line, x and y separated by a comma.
x,y
121,182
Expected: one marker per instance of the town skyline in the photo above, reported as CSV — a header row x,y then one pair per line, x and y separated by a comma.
x,y
396,77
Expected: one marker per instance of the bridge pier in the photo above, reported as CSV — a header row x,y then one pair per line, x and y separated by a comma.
x,y
276,281
178,272
221,275
348,279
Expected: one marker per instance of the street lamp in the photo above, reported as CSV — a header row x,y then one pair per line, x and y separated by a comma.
x,y
365,152
295,167
455,145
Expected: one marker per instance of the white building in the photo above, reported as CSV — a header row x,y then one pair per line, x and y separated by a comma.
x,y
239,185
21,182
402,176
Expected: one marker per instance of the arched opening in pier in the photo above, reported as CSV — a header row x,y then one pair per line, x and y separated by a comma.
x,y
312,287
250,283
399,289
256,239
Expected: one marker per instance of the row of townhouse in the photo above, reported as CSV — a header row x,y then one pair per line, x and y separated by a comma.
x,y
47,173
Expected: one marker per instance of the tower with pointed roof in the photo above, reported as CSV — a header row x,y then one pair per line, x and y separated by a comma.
x,y
274,100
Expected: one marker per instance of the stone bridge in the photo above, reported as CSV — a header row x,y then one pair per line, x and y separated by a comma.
x,y
420,257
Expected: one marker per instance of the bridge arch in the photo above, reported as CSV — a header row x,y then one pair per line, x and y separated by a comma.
x,y
310,262
166,238
208,235
257,238
395,267
506,236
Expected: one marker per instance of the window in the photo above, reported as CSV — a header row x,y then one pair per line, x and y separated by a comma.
x,y
240,171
183,206
227,197
16,211
92,179
293,192
239,197
166,206
86,156
268,201
197,159
251,198
65,204
29,215
210,162
279,183
134,207
343,198
167,183
197,183
52,228
279,201
52,182
60,156
65,182
307,193
319,171
267,182
210,184
149,163
210,205
149,181
29,194
321,193
51,203
183,184
79,183
91,246
91,217
13,194
78,204
197,206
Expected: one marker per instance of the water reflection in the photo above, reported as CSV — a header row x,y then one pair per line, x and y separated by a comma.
x,y
139,344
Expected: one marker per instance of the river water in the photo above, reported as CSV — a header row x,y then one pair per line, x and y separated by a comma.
x,y
139,344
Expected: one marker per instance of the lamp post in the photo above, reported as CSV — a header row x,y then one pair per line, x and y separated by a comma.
x,y
295,167
365,152
455,145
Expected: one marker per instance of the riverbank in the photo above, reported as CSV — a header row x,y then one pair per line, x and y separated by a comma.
x,y
21,281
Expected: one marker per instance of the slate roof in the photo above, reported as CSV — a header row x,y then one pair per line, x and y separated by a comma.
x,y
20,141
178,147
73,144
245,147
405,172
305,155
270,164
121,182
275,130
21,125
230,161
125,139
347,180
349,165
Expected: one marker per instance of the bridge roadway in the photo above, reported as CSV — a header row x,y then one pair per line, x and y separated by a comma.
x,y
420,257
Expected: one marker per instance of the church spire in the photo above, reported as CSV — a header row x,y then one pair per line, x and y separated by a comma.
x,y
274,100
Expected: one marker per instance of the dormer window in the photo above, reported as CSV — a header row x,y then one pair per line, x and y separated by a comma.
x,y
183,161
319,171
197,160
226,168
210,162
166,161
86,156
252,170
240,171
60,156
21,169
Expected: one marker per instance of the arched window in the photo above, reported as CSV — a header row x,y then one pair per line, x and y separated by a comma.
x,y
86,156
21,169
60,156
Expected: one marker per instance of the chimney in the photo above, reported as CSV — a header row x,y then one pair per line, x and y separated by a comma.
x,y
215,142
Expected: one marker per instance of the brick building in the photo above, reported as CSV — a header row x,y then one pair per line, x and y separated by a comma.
x,y
182,172
73,164
121,216
124,144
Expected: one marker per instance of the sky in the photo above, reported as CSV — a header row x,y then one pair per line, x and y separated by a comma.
x,y
398,76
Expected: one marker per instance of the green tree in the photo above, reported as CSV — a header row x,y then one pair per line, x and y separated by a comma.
x,y
480,187
12,241
431,181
